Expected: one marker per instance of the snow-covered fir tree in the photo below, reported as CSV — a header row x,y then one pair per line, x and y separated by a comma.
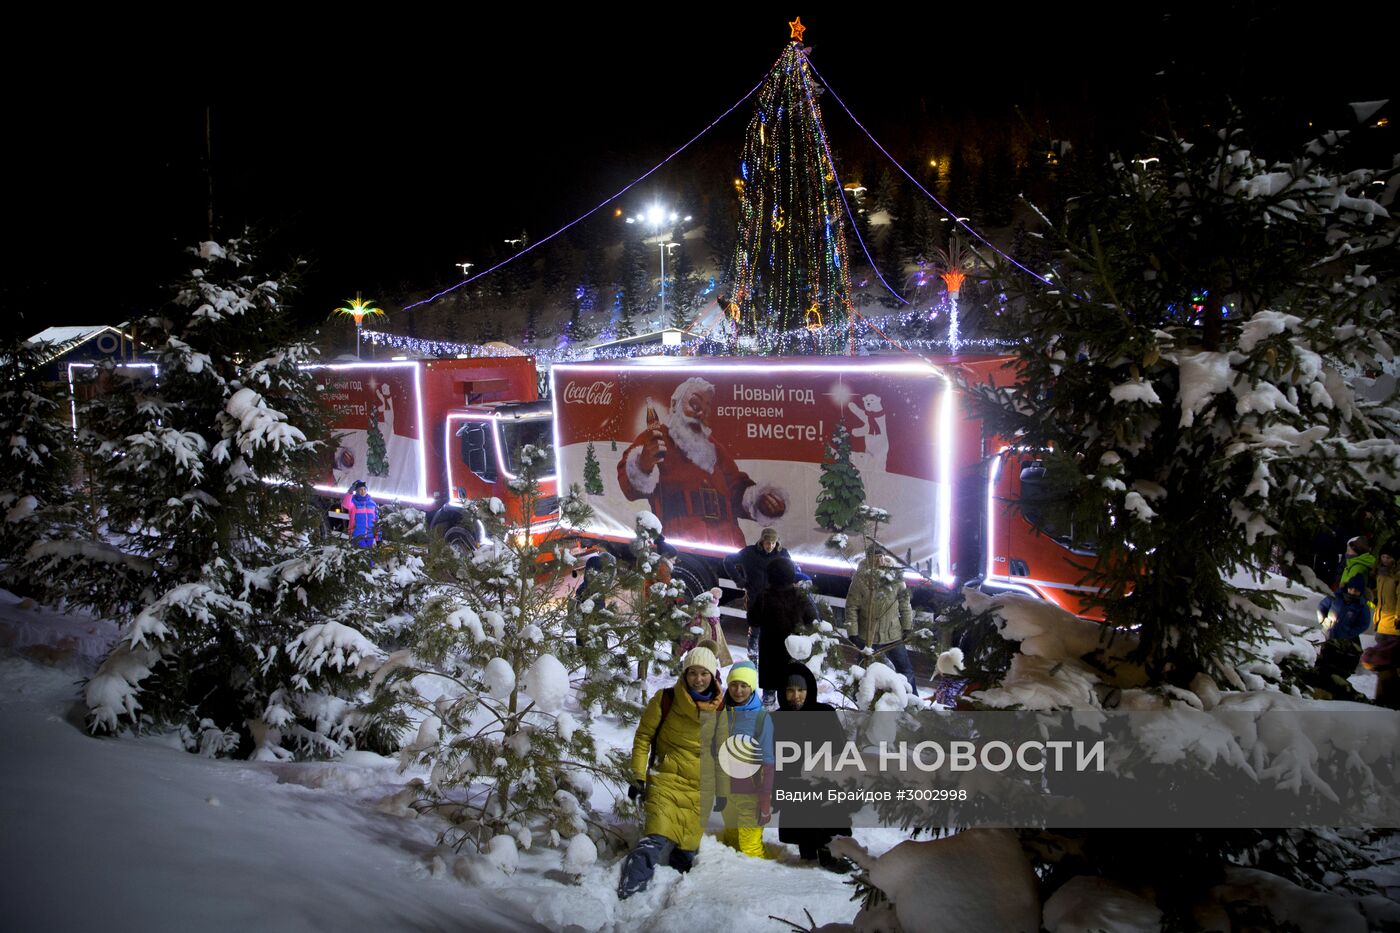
x,y
243,631
659,605
35,459
489,675
1191,401
1195,382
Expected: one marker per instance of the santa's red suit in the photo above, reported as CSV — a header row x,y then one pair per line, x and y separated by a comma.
x,y
692,503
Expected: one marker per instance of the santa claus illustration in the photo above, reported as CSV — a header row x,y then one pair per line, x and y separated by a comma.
x,y
689,481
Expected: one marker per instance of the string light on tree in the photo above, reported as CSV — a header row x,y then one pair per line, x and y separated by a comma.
x,y
790,268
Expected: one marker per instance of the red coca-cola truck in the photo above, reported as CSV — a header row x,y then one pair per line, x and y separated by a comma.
x,y
720,448
963,505
430,433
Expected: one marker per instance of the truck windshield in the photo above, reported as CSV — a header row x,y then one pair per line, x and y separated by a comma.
x,y
516,435
1047,503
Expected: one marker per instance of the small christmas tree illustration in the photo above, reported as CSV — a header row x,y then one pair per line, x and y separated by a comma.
x,y
377,461
592,475
842,490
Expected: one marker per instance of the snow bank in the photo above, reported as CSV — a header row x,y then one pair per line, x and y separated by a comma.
x,y
978,881
891,687
1043,684
223,845
580,853
1283,901
54,637
1047,631
1089,904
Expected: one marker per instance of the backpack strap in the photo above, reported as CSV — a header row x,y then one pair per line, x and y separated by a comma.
x,y
726,723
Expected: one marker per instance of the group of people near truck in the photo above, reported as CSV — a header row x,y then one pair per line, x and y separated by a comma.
x,y
878,611
677,769
677,761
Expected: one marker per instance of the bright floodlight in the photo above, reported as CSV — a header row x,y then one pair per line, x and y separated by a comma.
x,y
655,214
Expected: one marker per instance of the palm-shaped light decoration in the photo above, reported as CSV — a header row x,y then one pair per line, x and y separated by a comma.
x,y
359,309
954,261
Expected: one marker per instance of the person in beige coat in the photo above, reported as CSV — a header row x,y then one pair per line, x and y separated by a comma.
x,y
879,614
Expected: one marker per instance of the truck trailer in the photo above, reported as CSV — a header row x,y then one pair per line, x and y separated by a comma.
x,y
741,444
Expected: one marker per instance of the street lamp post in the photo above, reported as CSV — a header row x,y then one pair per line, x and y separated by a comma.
x,y
665,247
655,216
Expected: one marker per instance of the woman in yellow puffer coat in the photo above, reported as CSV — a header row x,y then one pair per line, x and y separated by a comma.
x,y
666,770
1388,627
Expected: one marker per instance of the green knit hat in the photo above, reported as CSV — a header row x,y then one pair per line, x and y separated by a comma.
x,y
745,673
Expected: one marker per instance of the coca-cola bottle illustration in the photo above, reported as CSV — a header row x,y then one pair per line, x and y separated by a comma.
x,y
653,423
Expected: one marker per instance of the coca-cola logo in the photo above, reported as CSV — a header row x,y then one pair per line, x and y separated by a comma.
x,y
597,393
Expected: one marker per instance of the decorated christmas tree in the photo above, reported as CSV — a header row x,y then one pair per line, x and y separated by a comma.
x,y
592,475
790,268
377,461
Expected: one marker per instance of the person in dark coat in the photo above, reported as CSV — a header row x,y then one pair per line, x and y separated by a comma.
x,y
779,612
599,578
799,695
749,568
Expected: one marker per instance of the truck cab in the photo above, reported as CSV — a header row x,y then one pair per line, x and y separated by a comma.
x,y
1034,545
482,452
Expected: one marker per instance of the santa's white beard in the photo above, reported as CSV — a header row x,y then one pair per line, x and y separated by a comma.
x,y
693,438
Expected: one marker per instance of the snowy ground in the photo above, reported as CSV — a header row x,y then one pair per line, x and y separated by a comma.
x,y
137,834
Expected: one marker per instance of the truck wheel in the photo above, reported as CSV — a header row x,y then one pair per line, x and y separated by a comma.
x,y
694,575
461,539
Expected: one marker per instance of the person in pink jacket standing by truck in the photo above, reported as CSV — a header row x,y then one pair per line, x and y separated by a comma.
x,y
364,515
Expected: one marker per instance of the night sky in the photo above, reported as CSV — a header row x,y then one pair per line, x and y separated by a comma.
x,y
385,151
